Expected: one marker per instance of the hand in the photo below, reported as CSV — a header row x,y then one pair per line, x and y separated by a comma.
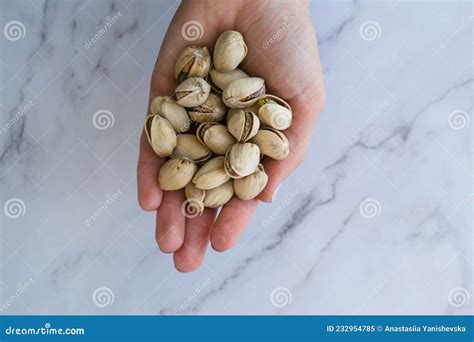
x,y
282,49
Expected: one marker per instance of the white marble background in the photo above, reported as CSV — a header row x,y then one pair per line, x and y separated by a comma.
x,y
396,134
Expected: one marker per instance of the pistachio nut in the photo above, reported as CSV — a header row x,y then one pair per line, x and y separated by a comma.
x,y
211,174
160,134
176,173
272,143
219,195
229,51
243,92
274,112
194,204
220,80
192,92
241,160
249,187
230,113
243,125
193,61
167,107
188,146
215,136
212,110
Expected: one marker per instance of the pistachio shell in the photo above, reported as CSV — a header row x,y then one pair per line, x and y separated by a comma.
x,y
211,174
243,92
193,61
212,110
192,192
194,204
192,92
176,173
230,50
241,160
219,196
167,107
188,146
215,136
272,143
275,116
220,80
160,134
243,125
249,187
155,104
274,112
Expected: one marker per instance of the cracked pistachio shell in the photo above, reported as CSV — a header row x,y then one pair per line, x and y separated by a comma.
x,y
193,61
211,174
212,110
216,137
243,92
188,146
167,107
176,173
220,80
160,134
243,125
229,51
219,195
192,92
241,160
272,143
230,113
194,204
249,187
274,112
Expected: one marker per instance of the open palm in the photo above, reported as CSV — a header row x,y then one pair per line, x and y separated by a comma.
x,y
282,49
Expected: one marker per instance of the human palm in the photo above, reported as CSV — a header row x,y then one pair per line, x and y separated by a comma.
x,y
282,49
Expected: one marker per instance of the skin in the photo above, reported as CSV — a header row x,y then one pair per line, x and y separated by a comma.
x,y
291,68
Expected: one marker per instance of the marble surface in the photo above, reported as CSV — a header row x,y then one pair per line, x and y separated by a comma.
x,y
378,220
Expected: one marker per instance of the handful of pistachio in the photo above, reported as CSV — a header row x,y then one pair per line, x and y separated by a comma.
x,y
217,127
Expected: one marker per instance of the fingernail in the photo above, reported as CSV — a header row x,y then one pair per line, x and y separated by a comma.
x,y
275,192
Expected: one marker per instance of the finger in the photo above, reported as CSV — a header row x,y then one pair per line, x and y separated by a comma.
x,y
305,115
170,222
231,222
196,239
149,194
